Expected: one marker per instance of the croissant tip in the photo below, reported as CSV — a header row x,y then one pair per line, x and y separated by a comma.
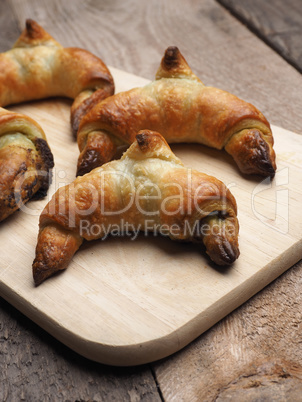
x,y
40,273
172,51
147,139
37,282
32,27
252,153
225,254
230,253
171,57
28,23
33,34
87,162
264,167
143,140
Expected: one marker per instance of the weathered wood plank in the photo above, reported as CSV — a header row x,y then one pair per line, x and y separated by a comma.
x,y
36,367
253,353
277,22
9,27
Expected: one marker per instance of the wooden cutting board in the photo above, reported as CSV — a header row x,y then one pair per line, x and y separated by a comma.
x,y
126,302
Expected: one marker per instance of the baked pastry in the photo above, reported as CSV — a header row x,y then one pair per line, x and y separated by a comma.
x,y
25,161
182,109
147,188
39,67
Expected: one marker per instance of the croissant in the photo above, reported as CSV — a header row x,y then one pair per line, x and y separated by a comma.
x,y
25,161
182,109
147,189
39,67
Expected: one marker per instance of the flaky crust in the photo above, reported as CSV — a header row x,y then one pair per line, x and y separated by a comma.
x,y
25,161
39,67
147,188
183,109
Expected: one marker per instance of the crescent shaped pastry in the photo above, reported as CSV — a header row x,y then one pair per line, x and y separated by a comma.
x,y
39,67
149,184
25,161
178,105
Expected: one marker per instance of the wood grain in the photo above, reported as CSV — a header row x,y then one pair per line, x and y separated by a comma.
x,y
276,22
36,367
257,348
132,35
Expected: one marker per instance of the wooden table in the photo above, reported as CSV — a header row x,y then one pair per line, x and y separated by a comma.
x,y
250,48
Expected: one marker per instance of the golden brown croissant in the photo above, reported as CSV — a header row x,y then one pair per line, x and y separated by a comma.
x,y
182,109
25,161
39,67
147,189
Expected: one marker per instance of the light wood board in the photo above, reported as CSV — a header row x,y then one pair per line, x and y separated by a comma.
x,y
128,302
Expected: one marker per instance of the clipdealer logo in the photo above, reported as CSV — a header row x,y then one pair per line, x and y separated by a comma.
x,y
269,199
